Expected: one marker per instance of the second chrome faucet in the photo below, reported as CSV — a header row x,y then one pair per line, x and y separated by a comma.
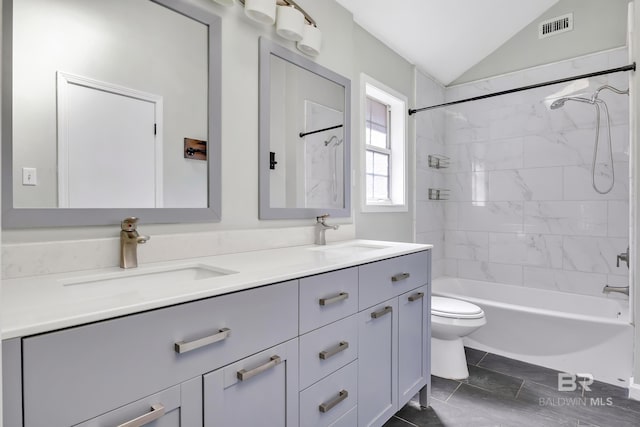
x,y
321,229
129,241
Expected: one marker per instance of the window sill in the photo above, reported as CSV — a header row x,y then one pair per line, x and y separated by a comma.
x,y
384,208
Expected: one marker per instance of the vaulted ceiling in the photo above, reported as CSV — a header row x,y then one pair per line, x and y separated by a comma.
x,y
445,37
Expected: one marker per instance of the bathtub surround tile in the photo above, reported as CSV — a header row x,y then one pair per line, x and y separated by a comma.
x,y
526,249
570,218
557,149
593,254
451,267
472,186
430,216
491,216
618,218
578,182
467,245
565,281
525,184
490,272
450,215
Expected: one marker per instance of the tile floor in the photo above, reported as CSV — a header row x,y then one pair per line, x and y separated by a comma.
x,y
505,392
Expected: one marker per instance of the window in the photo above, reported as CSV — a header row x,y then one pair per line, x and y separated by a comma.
x,y
384,133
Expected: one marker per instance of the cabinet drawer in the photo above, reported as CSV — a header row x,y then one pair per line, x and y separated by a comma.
x,y
178,406
327,349
383,280
326,401
72,375
327,297
350,419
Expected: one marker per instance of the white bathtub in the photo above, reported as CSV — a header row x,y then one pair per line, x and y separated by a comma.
x,y
567,332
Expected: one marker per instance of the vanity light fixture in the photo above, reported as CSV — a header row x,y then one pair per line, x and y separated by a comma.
x,y
293,23
290,24
311,42
227,3
263,11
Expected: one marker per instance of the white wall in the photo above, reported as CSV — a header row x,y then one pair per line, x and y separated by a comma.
x,y
597,27
384,65
635,152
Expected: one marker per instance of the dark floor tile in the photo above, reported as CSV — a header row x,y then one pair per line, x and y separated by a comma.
x,y
567,405
442,388
397,422
495,382
504,411
522,370
442,414
616,395
474,356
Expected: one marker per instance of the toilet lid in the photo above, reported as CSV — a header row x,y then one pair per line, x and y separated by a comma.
x,y
455,308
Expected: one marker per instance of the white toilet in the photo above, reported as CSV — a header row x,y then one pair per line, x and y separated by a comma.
x,y
452,319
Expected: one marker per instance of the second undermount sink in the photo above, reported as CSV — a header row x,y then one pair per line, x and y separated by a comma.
x,y
151,275
349,248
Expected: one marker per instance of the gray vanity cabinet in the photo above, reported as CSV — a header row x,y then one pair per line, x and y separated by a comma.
x,y
393,335
261,390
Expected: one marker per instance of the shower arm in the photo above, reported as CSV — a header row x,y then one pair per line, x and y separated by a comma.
x,y
611,88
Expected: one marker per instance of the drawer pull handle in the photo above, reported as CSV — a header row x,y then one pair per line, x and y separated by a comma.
x,y
416,296
243,374
377,314
324,355
157,411
340,297
183,347
399,277
326,407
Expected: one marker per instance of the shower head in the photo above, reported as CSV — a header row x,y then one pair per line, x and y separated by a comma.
x,y
559,103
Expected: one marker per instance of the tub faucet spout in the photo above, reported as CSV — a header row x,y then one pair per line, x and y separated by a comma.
x,y
621,289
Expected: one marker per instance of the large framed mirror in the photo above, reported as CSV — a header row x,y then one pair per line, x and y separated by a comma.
x,y
305,137
110,109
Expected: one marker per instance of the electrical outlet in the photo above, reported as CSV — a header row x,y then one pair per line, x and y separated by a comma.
x,y
29,176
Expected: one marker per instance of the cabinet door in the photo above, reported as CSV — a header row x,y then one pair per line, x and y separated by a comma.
x,y
178,406
413,310
377,363
261,390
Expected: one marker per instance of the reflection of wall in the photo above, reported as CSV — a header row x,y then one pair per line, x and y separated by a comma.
x,y
291,87
136,44
323,158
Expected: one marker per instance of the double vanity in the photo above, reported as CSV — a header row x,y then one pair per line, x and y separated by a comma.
x,y
333,335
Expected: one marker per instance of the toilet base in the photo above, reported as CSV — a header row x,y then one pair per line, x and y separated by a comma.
x,y
448,359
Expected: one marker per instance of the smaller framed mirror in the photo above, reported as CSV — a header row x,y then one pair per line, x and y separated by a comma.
x,y
305,137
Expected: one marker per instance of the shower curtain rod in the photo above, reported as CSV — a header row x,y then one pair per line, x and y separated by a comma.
x,y
631,67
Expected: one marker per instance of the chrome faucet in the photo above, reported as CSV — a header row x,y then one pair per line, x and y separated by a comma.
x,y
621,289
129,240
624,256
321,229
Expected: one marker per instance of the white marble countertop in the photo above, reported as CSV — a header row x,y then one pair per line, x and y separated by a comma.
x,y
45,303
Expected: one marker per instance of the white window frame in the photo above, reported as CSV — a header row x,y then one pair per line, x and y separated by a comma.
x,y
398,124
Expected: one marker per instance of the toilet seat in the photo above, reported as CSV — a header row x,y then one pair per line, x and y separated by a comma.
x,y
454,308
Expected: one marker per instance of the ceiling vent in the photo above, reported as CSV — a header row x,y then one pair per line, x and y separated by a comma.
x,y
557,25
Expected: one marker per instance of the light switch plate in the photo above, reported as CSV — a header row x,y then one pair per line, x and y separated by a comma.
x,y
29,176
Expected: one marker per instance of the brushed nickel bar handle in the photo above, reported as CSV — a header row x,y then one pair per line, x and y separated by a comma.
x,y
157,411
243,374
399,277
416,296
377,314
326,407
184,347
324,355
341,296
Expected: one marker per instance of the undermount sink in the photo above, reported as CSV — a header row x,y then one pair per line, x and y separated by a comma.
x,y
151,275
348,248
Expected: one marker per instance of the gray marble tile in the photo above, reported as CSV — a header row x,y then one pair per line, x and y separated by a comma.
x,y
442,414
572,406
501,385
398,422
617,395
474,356
442,388
522,370
505,411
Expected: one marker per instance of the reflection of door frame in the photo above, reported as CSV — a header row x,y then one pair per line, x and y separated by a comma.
x,y
66,79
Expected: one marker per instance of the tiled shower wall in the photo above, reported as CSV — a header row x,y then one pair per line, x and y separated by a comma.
x,y
522,209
